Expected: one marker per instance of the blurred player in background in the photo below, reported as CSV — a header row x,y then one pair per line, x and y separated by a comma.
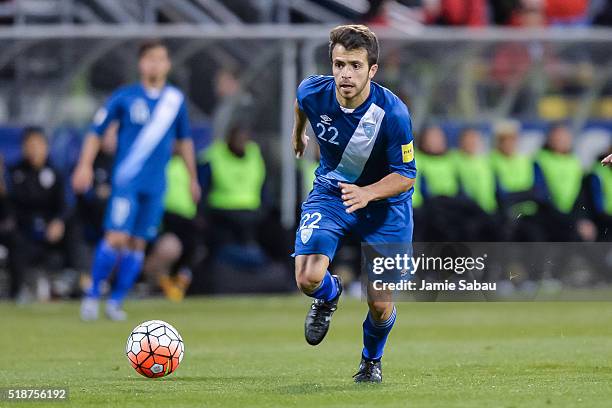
x,y
363,183
152,117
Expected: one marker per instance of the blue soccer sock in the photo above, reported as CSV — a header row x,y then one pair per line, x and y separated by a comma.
x,y
129,269
104,261
375,335
327,290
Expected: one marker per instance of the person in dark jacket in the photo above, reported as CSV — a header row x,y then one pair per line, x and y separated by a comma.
x,y
37,196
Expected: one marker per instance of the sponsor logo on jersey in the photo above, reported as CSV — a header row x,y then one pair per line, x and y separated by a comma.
x,y
326,119
407,153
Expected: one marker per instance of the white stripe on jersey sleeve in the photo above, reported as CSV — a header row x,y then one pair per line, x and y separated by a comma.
x,y
150,135
359,147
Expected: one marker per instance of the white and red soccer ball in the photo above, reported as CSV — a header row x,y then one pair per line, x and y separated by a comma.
x,y
155,348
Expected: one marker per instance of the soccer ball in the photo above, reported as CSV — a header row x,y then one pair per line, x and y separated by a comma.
x,y
155,348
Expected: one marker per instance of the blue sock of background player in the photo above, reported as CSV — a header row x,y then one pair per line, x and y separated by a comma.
x,y
129,269
375,335
105,259
327,290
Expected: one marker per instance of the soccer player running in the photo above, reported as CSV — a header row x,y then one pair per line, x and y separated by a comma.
x,y
363,184
152,117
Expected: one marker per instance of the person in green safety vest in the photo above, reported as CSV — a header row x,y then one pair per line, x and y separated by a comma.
x,y
477,182
170,257
599,188
514,179
436,188
233,173
475,173
558,182
437,171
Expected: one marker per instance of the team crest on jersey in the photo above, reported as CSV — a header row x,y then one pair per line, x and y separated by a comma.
x,y
139,112
326,119
368,129
305,235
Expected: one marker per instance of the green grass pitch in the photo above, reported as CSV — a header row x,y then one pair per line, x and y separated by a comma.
x,y
250,352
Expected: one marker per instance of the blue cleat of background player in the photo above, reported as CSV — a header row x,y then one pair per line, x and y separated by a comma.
x,y
152,120
363,184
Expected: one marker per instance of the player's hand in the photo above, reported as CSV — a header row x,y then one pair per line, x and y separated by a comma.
x,y
55,231
82,179
354,197
196,191
607,161
299,146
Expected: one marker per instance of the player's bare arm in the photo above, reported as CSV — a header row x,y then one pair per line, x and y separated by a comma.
x,y
186,151
82,177
607,161
300,140
355,197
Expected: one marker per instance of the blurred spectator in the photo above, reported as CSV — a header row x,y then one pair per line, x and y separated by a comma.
x,y
558,185
566,12
375,14
502,11
37,195
437,173
514,178
232,101
478,186
475,175
599,188
232,175
171,255
8,238
436,189
512,60
537,69
472,13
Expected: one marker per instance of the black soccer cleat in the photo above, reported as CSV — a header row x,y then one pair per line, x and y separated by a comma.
x,y
370,371
319,316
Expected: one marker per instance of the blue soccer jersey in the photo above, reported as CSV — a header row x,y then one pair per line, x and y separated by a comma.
x,y
358,146
149,122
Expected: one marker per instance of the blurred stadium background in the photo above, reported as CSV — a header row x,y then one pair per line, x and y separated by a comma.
x,y
499,66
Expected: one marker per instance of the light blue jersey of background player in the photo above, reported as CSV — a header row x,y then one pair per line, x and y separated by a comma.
x,y
363,184
152,120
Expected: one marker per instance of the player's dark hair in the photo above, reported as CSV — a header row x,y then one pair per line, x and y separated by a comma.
x,y
32,131
148,45
355,36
